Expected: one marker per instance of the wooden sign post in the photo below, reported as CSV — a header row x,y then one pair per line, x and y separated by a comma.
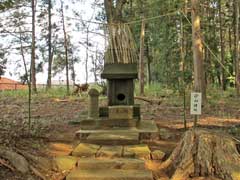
x,y
196,106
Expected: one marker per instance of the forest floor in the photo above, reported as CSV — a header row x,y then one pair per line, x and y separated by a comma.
x,y
52,132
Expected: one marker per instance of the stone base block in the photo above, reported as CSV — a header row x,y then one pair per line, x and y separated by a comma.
x,y
143,127
120,112
104,111
112,138
107,123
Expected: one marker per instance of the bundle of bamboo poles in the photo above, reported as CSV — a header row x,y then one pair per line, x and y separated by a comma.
x,y
121,45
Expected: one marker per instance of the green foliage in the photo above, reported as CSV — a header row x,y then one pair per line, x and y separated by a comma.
x,y
6,4
15,94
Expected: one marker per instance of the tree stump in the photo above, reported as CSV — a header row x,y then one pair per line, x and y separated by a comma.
x,y
202,154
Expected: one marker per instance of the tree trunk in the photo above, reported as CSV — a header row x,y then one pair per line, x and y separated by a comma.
x,y
199,79
73,75
182,68
149,60
33,55
204,153
50,55
237,66
95,65
231,53
223,76
86,60
206,50
141,59
24,59
66,49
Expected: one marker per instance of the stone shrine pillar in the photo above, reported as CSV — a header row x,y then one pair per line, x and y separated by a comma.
x,y
93,109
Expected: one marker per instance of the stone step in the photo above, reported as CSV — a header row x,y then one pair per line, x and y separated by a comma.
x,y
113,138
84,150
107,123
143,127
117,163
113,174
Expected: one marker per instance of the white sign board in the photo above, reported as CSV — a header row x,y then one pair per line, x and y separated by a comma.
x,y
196,103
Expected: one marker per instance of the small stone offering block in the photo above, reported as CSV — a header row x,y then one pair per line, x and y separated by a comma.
x,y
120,112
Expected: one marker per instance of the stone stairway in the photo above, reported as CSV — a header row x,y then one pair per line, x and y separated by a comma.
x,y
108,162
110,153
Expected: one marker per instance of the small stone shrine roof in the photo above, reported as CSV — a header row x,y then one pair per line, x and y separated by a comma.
x,y
120,71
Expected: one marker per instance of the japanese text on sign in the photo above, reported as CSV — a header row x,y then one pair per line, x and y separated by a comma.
x,y
196,103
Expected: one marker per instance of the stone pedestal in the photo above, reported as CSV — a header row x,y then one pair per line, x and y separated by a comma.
x,y
93,110
120,112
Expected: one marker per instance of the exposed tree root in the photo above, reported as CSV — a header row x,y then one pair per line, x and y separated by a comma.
x,y
18,161
6,164
204,153
21,161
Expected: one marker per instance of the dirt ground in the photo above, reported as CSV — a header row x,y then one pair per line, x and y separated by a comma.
x,y
53,131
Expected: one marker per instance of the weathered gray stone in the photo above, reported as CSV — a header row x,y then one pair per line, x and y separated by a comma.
x,y
113,174
93,110
121,112
85,150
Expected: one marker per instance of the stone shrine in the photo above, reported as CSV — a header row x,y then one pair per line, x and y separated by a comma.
x,y
120,122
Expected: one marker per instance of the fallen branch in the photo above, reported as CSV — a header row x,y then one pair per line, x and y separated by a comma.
x,y
37,173
235,139
150,101
4,163
61,100
39,162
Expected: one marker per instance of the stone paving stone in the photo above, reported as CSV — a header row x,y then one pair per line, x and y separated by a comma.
x,y
116,163
128,154
113,174
110,151
141,151
85,150
65,163
157,155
